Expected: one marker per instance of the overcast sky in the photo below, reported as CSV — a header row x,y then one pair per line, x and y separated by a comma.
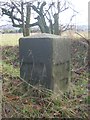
x,y
79,5
82,7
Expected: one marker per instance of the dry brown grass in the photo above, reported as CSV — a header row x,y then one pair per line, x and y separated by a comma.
x,y
12,39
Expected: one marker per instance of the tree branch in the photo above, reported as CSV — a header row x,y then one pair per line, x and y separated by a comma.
x,y
30,25
64,9
16,7
8,13
42,5
67,27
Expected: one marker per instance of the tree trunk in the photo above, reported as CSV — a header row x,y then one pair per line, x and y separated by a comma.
x,y
51,27
28,19
56,20
22,18
56,24
42,24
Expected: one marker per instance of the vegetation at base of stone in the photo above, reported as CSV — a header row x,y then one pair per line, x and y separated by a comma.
x,y
21,100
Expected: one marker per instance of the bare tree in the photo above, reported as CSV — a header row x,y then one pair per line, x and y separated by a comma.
x,y
19,13
47,15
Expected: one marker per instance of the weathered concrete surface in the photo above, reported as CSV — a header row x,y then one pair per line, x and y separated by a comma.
x,y
61,63
45,60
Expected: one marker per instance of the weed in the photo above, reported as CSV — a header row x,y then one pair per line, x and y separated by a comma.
x,y
32,102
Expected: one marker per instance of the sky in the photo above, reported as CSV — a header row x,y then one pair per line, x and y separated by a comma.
x,y
82,7
79,5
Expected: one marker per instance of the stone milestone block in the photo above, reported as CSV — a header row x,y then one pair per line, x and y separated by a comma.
x,y
45,60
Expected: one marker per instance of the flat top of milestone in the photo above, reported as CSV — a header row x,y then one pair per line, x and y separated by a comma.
x,y
44,35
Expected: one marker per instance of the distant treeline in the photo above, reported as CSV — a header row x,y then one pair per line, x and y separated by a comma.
x,y
18,30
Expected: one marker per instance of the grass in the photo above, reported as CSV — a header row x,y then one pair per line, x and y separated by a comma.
x,y
10,69
12,38
73,34
9,39
24,100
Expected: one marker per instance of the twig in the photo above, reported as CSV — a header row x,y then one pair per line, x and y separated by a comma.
x,y
77,71
82,37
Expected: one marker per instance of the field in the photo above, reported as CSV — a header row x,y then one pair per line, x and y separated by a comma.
x,y
12,39
9,39
22,100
